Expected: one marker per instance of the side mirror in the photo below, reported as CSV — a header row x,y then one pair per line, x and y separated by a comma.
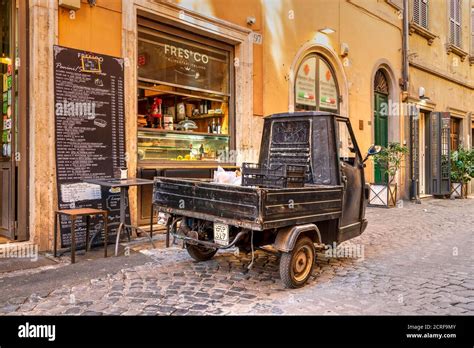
x,y
373,150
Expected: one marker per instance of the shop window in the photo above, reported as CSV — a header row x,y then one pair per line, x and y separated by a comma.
x,y
420,12
185,105
455,15
316,85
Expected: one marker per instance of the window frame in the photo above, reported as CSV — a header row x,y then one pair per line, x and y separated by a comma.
x,y
455,38
352,157
319,58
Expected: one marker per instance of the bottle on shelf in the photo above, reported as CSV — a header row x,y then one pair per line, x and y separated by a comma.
x,y
218,126
205,107
214,127
209,127
201,152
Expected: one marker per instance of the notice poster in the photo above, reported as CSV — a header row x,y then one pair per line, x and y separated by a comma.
x,y
327,88
305,85
90,136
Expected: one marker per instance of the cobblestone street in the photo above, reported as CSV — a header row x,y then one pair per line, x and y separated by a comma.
x,y
417,260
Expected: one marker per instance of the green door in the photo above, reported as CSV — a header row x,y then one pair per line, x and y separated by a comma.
x,y
381,131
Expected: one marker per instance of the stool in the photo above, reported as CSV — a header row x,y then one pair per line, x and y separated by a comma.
x,y
73,214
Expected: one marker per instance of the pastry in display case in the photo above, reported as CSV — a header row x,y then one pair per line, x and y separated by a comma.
x,y
162,145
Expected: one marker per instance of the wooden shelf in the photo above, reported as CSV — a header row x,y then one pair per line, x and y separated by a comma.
x,y
191,164
163,148
204,116
187,94
157,130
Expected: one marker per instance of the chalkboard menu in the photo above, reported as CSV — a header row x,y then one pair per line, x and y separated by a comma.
x,y
90,136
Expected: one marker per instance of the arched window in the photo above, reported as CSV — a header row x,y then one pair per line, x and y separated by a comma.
x,y
316,86
380,82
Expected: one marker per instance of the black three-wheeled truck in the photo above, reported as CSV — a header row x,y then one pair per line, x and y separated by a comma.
x,y
307,188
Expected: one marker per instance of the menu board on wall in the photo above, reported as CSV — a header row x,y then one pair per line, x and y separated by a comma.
x,y
90,136
327,88
305,86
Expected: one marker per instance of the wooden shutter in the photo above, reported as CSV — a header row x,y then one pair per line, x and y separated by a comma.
x,y
424,13
455,22
472,31
420,12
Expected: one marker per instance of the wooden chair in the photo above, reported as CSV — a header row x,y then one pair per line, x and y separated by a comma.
x,y
73,215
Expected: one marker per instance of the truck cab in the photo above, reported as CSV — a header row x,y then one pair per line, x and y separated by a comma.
x,y
326,144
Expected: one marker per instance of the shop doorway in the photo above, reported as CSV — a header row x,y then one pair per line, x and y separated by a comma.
x,y
425,154
7,91
13,108
381,112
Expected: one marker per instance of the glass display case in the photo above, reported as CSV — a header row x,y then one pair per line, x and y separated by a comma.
x,y
180,146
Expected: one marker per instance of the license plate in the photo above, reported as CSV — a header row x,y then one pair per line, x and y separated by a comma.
x,y
221,234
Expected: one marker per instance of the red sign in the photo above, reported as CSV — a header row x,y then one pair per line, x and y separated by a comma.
x,y
141,59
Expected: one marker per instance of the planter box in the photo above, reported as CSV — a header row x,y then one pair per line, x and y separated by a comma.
x,y
383,195
458,190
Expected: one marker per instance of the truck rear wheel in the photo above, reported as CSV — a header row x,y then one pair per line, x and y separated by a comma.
x,y
200,253
296,265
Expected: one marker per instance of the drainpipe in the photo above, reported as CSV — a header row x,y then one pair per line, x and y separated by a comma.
x,y
405,83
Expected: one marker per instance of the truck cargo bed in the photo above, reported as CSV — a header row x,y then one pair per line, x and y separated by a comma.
x,y
248,207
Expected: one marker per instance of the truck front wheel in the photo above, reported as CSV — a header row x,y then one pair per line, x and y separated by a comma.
x,y
200,253
296,265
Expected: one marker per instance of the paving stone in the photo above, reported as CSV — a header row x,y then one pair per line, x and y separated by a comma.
x,y
396,276
73,310
199,307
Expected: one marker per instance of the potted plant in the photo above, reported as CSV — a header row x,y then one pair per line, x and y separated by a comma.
x,y
462,171
390,159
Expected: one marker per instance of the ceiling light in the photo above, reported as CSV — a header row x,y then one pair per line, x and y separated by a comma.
x,y
327,31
